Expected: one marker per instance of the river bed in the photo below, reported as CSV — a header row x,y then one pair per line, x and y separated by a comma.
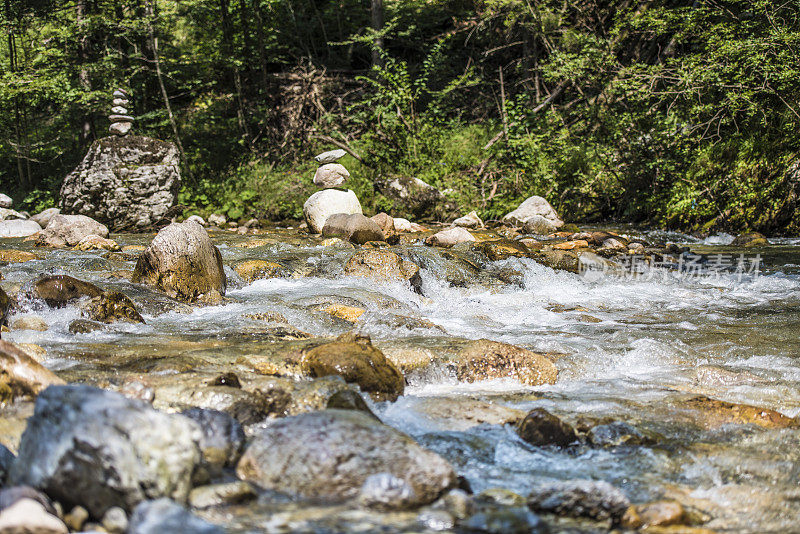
x,y
628,348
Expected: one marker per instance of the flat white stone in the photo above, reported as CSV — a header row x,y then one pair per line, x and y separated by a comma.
x,y
120,128
329,157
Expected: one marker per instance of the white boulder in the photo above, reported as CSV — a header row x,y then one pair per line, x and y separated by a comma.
x,y
323,204
535,205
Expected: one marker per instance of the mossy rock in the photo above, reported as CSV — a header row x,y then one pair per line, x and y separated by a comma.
x,y
112,307
383,265
17,256
252,270
502,248
354,358
750,239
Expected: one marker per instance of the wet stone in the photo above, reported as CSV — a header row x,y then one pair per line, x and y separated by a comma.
x,y
506,520
541,428
580,498
222,439
349,400
60,290
615,434
221,494
112,307
163,515
85,326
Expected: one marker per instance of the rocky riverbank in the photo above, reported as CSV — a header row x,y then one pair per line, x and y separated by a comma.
x,y
530,376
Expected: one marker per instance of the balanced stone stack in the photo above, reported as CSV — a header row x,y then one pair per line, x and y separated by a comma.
x,y
331,200
121,122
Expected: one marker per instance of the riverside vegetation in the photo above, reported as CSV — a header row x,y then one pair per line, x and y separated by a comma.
x,y
674,112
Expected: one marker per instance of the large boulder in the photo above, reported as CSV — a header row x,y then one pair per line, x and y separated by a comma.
x,y
383,265
331,175
21,375
411,195
69,230
19,228
183,262
354,358
330,455
534,205
356,228
323,204
128,183
98,449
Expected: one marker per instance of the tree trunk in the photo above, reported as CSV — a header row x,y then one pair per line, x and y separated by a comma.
x,y
151,20
377,25
87,124
228,47
262,45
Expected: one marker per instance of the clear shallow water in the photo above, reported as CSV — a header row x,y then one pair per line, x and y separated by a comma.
x,y
632,350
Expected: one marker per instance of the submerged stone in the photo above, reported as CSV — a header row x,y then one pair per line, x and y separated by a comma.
x,y
580,498
540,427
60,290
112,307
383,265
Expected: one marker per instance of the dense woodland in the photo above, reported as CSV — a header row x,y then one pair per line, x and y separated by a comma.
x,y
679,113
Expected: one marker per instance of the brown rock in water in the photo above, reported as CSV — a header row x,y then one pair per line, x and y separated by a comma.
x,y
59,290
560,260
252,270
750,239
69,230
354,358
383,265
486,360
356,228
661,513
30,323
502,249
715,413
540,427
331,454
111,307
17,256
95,242
5,304
386,224
183,262
21,375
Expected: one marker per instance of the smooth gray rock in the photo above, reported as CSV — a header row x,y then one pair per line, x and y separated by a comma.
x,y
120,128
451,237
386,491
331,175
323,204
539,225
119,110
123,102
356,228
44,217
331,454
98,449
534,205
330,156
6,201
9,214
127,183
69,230
19,228
164,516
580,498
120,118
470,220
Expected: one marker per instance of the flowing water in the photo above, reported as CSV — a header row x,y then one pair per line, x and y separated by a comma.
x,y
632,349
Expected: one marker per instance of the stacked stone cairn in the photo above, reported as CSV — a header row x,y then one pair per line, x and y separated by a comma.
x,y
333,199
330,174
121,122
